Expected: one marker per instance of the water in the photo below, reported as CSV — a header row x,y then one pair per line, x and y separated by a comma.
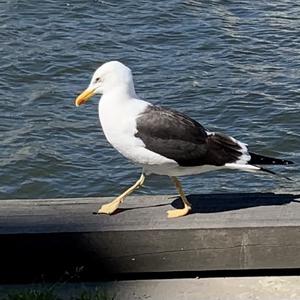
x,y
233,66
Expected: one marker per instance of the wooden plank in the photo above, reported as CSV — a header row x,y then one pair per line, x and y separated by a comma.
x,y
224,232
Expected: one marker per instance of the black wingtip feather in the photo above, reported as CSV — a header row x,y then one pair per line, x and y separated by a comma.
x,y
257,159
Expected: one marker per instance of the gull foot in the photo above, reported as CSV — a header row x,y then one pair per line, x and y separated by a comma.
x,y
175,213
111,207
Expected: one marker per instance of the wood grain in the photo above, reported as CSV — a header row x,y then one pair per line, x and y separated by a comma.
x,y
48,237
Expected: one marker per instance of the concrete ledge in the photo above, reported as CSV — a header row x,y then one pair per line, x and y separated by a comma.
x,y
225,232
243,288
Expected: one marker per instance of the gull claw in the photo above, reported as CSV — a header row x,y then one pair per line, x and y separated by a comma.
x,y
175,213
111,207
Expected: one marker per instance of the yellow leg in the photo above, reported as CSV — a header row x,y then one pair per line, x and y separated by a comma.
x,y
111,207
187,205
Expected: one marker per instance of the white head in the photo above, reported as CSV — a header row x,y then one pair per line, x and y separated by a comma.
x,y
110,76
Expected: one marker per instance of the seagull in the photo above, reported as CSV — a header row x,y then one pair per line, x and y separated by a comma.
x,y
160,140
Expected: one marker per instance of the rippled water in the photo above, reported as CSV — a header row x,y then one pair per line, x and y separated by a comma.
x,y
232,65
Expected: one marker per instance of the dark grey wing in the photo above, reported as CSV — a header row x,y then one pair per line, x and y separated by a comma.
x,y
178,137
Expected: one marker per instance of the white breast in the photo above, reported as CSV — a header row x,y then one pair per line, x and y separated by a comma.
x,y
118,120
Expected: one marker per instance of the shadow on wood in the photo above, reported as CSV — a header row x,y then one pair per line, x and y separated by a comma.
x,y
227,202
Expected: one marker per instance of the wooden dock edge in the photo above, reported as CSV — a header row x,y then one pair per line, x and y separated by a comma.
x,y
46,238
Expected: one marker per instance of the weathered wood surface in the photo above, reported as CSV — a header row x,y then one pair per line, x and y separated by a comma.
x,y
224,232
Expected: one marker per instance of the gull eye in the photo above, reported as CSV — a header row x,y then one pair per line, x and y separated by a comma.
x,y
98,79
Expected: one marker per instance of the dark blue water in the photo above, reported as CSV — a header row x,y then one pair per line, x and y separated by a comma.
x,y
232,65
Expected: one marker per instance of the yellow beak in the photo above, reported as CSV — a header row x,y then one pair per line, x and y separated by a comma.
x,y
84,96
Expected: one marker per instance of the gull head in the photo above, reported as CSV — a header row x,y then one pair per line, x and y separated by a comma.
x,y
111,76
